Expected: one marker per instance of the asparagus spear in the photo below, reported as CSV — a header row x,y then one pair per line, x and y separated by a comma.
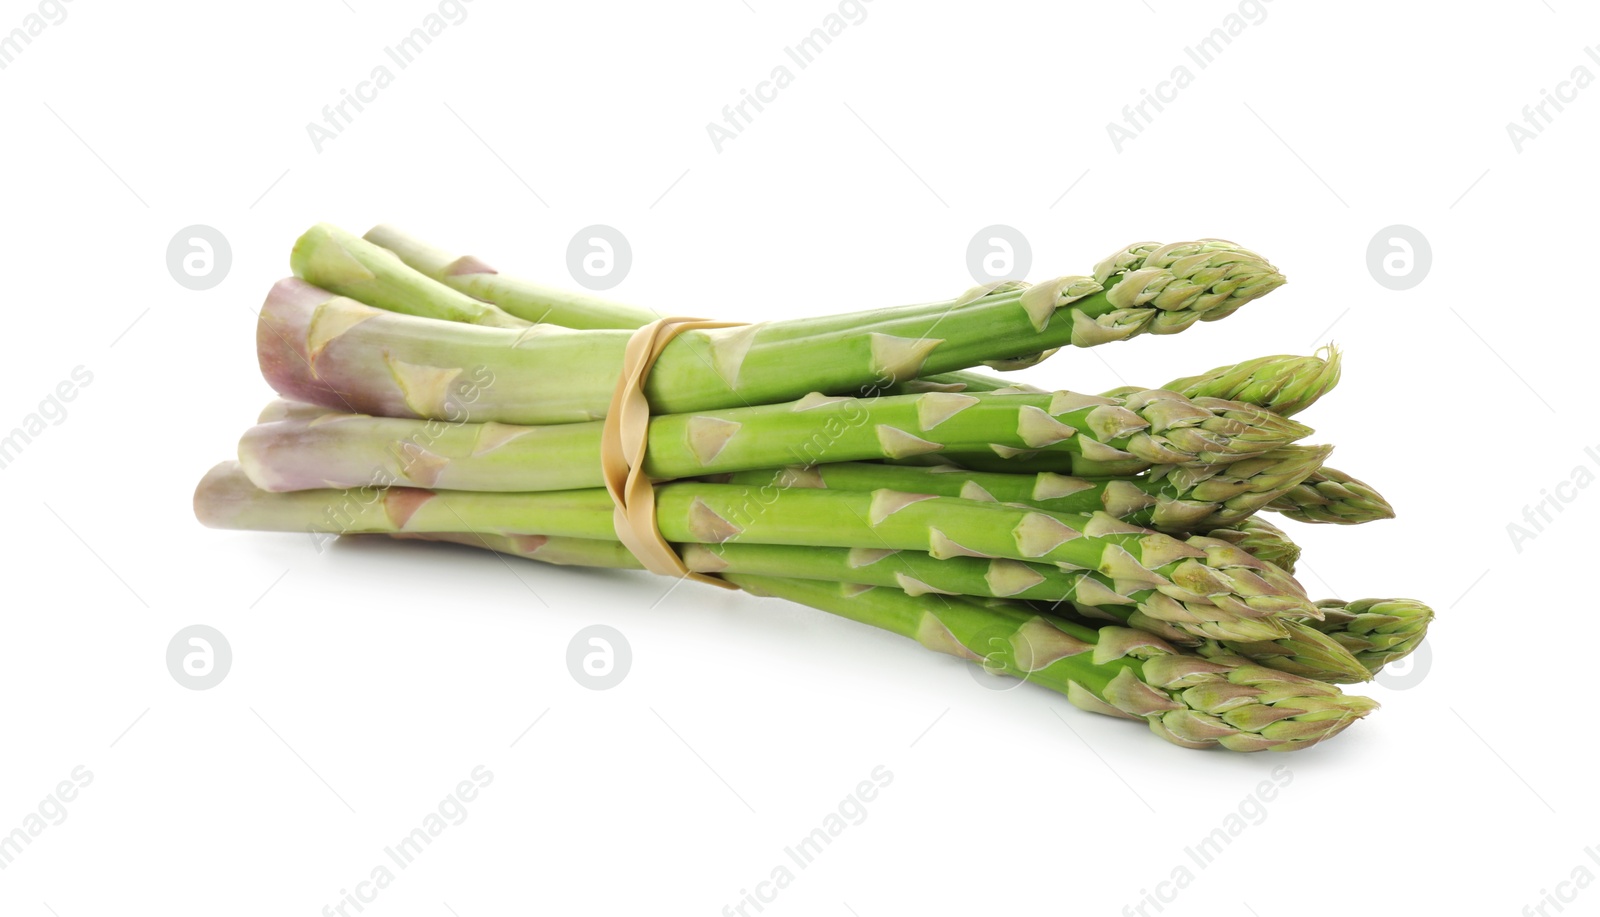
x,y
1209,277
1194,702
1376,631
1195,573
343,450
529,301
377,277
919,573
1262,539
1373,632
1167,498
1002,459
331,350
1285,384
1330,495
1207,263
1185,699
341,354
1303,650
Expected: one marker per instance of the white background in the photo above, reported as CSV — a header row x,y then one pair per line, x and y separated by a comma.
x,y
369,679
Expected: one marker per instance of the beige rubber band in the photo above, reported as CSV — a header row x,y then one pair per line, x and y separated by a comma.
x,y
623,440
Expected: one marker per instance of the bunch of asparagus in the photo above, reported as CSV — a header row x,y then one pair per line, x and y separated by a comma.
x,y
1105,545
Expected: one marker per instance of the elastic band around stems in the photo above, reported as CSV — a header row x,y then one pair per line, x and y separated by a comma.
x,y
623,441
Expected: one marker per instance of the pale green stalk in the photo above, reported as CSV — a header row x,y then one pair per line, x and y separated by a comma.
x,y
1135,432
1285,384
919,573
1303,650
377,277
1376,631
1372,632
1177,271
1196,573
529,301
1169,498
328,349
1117,671
1329,495
1227,702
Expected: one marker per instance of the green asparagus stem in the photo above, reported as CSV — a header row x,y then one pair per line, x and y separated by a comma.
x,y
1187,700
539,303
543,304
340,354
1303,650
1167,498
1004,459
1352,642
1284,384
1195,573
526,300
919,573
1194,702
1376,631
344,450
1136,260
1176,270
1281,384
331,350
1331,496
1262,539
329,255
